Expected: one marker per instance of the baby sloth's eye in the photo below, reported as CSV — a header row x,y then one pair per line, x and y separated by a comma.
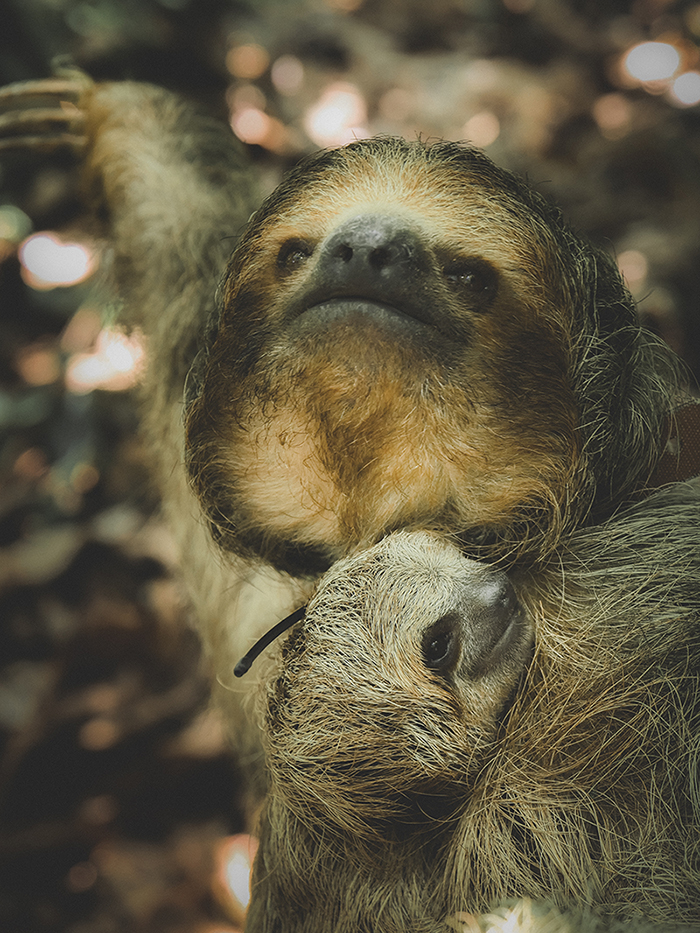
x,y
440,645
293,254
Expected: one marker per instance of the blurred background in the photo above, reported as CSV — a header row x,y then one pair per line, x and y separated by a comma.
x,y
118,798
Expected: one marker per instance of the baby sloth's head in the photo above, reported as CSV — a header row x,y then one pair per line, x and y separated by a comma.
x,y
393,688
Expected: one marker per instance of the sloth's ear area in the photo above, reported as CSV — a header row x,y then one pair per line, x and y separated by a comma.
x,y
622,376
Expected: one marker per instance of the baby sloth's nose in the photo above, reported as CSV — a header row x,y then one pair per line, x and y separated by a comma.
x,y
477,633
371,251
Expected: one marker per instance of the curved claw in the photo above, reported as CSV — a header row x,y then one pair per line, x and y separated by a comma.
x,y
43,143
42,115
43,87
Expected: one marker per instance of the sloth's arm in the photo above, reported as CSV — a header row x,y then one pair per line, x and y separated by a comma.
x,y
169,190
172,187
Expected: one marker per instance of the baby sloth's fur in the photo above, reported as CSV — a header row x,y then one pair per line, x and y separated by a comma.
x,y
409,343
559,763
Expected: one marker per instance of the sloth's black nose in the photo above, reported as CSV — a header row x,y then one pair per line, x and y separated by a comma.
x,y
372,252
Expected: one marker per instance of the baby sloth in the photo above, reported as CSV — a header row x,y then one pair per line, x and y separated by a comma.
x,y
443,737
402,669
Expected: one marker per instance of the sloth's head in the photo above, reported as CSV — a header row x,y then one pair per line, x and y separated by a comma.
x,y
410,337
393,689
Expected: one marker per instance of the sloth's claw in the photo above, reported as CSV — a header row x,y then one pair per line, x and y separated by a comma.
x,y
42,115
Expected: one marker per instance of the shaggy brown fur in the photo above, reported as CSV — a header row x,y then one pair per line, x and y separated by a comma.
x,y
551,752
408,337
426,345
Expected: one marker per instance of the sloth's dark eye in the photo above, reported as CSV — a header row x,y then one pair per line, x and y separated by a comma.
x,y
440,645
293,254
438,650
474,277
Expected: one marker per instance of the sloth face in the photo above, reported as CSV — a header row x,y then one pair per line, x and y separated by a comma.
x,y
393,351
393,687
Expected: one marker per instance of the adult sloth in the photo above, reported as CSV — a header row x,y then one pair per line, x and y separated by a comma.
x,y
405,337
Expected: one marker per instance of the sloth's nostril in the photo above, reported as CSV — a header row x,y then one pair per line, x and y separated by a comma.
x,y
344,252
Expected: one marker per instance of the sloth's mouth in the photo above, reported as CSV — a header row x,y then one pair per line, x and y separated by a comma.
x,y
324,304
359,311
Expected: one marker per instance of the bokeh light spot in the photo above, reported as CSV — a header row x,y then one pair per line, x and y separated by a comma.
x,y
48,262
14,223
233,859
39,364
685,90
251,125
483,128
613,115
338,117
81,877
652,61
634,267
115,363
287,74
247,61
